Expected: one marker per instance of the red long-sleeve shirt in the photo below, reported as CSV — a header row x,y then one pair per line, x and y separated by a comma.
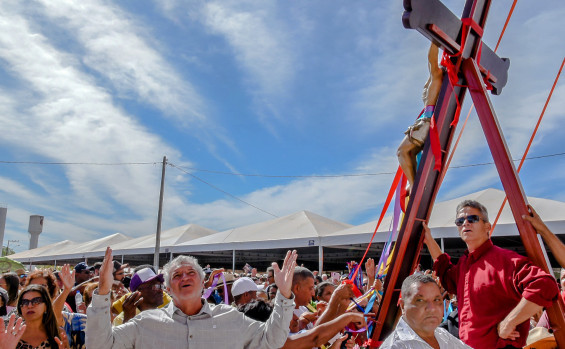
x,y
489,283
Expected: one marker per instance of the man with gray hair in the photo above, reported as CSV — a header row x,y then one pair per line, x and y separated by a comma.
x,y
422,311
497,290
188,321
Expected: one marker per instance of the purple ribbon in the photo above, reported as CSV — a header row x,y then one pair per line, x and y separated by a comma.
x,y
210,289
393,231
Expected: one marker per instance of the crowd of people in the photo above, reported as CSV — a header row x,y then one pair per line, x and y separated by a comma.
x,y
491,298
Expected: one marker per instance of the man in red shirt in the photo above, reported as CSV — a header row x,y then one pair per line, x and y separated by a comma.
x,y
497,290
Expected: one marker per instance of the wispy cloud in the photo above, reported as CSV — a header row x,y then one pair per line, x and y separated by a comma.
x,y
117,46
68,118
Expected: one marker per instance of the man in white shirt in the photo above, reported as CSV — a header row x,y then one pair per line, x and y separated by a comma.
x,y
303,289
422,312
188,321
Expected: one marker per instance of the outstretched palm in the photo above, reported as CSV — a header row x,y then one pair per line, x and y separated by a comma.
x,y
106,276
283,277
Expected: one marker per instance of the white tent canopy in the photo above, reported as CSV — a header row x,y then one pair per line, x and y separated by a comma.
x,y
443,217
58,251
301,229
169,238
46,250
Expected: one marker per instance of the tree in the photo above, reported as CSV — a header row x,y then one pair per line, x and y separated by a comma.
x,y
7,251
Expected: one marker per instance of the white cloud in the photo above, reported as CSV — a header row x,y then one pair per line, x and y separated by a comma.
x,y
117,47
68,119
339,198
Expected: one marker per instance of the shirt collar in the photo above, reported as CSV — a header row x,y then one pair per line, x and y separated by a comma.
x,y
171,309
479,252
405,332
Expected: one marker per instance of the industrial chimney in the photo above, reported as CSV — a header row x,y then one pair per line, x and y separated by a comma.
x,y
35,228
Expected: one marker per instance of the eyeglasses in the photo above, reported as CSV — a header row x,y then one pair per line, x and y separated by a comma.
x,y
34,301
470,218
155,287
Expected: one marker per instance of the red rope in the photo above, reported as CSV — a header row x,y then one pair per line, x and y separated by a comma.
x,y
531,140
391,191
505,24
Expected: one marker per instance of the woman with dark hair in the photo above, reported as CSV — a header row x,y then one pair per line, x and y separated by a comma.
x,y
11,283
34,306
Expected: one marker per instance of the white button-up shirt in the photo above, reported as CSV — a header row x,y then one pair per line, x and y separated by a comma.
x,y
215,326
404,337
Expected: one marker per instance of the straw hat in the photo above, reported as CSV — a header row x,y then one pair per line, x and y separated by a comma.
x,y
540,338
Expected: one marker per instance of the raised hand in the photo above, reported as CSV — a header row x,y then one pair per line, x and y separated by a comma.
x,y
63,342
67,277
9,337
210,280
106,273
283,277
535,220
370,268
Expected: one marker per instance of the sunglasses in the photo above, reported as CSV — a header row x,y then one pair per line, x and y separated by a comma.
x,y
470,218
34,301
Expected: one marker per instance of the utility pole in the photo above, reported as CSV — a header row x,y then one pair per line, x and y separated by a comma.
x,y
159,217
8,247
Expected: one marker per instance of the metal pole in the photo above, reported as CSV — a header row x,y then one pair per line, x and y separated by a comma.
x,y
233,262
442,246
320,259
159,216
3,212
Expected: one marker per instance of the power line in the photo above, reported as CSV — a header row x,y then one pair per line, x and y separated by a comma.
x,y
221,190
79,163
257,174
348,174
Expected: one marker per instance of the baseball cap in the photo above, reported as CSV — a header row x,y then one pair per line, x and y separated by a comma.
x,y
242,285
81,266
119,266
142,276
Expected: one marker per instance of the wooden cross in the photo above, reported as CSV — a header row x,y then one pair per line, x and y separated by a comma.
x,y
475,65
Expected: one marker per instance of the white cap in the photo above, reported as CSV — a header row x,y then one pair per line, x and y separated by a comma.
x,y
242,285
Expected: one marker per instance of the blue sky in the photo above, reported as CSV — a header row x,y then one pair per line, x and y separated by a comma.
x,y
293,89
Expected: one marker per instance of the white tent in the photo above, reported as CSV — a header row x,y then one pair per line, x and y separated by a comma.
x,y
46,250
443,217
299,229
60,251
169,238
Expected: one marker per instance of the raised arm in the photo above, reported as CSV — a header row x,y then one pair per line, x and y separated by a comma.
x,y
433,247
283,277
100,334
339,301
436,76
68,279
553,242
371,272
